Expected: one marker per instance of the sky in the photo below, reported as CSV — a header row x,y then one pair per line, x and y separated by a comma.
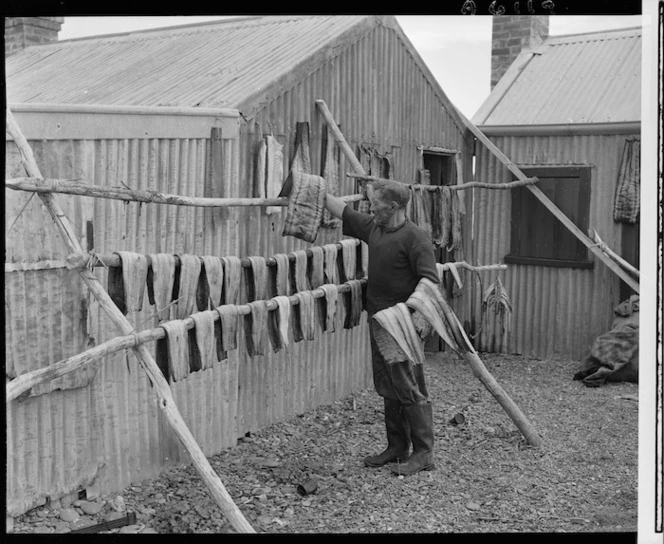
x,y
456,48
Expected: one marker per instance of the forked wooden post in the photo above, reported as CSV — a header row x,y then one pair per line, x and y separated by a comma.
x,y
166,400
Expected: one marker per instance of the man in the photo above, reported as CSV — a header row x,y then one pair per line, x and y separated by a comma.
x,y
400,254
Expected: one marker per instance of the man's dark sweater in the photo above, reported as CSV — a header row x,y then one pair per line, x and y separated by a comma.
x,y
398,258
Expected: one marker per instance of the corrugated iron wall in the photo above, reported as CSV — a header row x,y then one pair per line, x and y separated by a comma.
x,y
556,311
104,427
378,95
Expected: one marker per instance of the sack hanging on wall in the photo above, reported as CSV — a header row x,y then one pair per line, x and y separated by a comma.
x,y
628,187
306,203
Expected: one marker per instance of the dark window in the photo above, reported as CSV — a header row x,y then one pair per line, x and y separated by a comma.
x,y
440,167
537,236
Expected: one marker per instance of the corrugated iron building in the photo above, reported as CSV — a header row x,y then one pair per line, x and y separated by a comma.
x,y
567,110
182,111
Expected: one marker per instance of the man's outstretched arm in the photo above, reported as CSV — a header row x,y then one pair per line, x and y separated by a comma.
x,y
334,205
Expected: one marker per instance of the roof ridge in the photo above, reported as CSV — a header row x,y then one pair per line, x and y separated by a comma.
x,y
596,32
196,27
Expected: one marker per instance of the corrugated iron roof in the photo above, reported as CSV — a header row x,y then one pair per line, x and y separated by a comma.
x,y
574,79
215,64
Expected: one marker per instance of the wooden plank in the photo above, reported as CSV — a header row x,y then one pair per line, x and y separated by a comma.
x,y
161,387
552,207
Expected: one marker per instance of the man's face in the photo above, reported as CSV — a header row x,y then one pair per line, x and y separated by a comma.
x,y
382,210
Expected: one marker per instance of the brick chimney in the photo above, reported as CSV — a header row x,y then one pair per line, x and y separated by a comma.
x,y
510,35
22,32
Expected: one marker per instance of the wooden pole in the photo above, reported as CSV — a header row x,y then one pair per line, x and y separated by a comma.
x,y
606,249
513,411
460,187
161,387
339,137
73,187
481,373
560,215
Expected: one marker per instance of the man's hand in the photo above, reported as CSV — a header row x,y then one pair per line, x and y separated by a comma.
x,y
334,205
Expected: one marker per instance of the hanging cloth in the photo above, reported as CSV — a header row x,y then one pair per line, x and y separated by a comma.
x,y
161,276
177,349
436,216
232,278
327,307
190,270
228,321
330,161
304,317
316,270
256,278
397,322
299,271
255,327
445,195
421,199
205,338
353,304
306,203
362,258
425,306
455,215
214,275
301,161
432,292
274,171
349,258
628,187
134,277
278,320
331,270
280,275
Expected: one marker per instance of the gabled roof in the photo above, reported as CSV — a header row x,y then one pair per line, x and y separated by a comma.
x,y
574,79
218,64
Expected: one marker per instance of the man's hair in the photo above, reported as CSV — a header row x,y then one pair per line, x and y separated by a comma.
x,y
392,191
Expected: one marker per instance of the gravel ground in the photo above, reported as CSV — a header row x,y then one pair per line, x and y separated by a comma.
x,y
487,478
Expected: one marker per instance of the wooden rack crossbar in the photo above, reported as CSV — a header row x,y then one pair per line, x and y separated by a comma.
x,y
78,260
75,187
459,187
